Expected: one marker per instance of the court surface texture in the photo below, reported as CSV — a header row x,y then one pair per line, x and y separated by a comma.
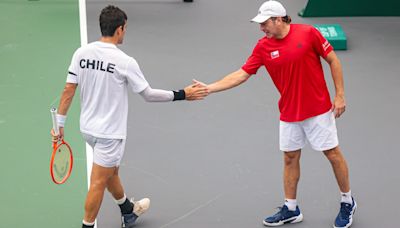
x,y
213,163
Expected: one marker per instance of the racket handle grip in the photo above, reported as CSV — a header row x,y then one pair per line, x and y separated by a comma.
x,y
53,112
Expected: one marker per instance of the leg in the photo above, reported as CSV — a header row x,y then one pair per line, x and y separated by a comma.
x,y
114,185
291,176
322,134
98,183
339,167
291,140
129,210
291,173
348,205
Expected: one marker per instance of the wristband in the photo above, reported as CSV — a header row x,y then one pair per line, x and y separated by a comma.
x,y
179,95
61,120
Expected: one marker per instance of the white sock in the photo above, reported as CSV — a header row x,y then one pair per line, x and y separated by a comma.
x,y
120,201
291,204
87,223
346,197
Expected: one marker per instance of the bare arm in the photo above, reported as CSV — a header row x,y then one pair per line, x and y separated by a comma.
x,y
65,103
339,103
231,80
66,98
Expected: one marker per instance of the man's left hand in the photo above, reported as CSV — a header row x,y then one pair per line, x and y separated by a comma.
x,y
339,106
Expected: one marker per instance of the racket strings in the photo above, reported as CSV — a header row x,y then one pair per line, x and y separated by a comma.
x,y
61,167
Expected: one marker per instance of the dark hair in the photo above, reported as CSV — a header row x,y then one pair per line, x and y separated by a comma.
x,y
111,17
287,19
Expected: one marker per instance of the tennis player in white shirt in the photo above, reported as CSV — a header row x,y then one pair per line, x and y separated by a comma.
x,y
104,75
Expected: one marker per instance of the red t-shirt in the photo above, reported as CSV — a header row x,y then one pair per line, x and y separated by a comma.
x,y
295,68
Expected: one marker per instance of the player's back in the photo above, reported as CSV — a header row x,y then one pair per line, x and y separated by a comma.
x,y
100,71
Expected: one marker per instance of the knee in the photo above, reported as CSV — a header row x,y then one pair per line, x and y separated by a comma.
x,y
291,158
334,155
99,184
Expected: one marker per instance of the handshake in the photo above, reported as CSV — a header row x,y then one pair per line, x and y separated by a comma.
x,y
196,91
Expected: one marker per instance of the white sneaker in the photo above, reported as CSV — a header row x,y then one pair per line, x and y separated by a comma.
x,y
141,206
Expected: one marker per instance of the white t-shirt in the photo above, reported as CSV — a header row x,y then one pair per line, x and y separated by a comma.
x,y
103,73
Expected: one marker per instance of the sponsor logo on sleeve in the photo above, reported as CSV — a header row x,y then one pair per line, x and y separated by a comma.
x,y
326,45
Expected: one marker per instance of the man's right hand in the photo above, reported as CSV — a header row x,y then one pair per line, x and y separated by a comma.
x,y
59,137
196,91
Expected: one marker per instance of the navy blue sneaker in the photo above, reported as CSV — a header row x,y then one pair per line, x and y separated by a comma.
x,y
139,207
345,217
128,220
283,216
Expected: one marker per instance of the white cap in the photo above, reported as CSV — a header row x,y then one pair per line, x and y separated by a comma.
x,y
269,9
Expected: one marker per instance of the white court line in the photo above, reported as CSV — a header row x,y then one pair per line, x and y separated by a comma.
x,y
83,31
84,41
82,22
192,211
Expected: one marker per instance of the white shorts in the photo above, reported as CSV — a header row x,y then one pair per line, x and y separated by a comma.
x,y
320,131
106,152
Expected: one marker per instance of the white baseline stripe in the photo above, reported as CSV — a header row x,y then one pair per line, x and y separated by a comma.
x,y
84,41
82,22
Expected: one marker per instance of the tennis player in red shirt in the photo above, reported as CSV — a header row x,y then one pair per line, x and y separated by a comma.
x,y
291,54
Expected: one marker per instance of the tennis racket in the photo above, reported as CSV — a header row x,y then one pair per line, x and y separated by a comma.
x,y
61,159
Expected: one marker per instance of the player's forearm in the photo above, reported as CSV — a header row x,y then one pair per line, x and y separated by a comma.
x,y
232,80
337,76
337,73
66,98
156,95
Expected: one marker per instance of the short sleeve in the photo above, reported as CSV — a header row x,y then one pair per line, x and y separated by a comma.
x,y
135,77
73,69
254,62
320,44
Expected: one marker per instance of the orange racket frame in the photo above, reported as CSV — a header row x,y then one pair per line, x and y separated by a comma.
x,y
53,155
57,145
